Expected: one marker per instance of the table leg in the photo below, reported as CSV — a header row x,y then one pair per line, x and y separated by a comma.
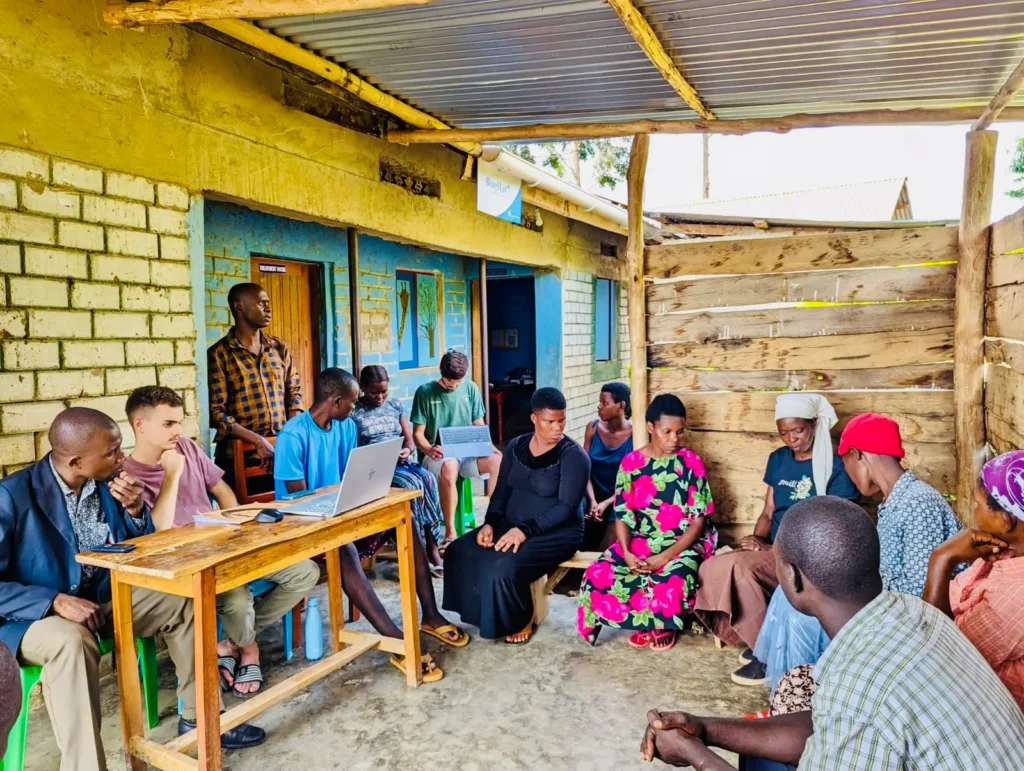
x,y
204,598
335,599
501,421
407,587
127,673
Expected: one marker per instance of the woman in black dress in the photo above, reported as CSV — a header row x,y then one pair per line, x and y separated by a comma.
x,y
534,522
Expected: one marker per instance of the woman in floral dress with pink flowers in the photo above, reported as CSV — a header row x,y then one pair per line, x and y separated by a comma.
x,y
647,580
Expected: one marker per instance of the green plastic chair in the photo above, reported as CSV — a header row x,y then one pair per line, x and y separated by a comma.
x,y
14,759
465,518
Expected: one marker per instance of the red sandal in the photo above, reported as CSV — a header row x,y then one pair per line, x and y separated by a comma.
x,y
640,639
658,639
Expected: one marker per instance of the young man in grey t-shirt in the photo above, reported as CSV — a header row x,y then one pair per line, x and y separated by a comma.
x,y
450,401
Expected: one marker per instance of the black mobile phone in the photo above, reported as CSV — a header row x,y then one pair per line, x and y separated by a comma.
x,y
115,548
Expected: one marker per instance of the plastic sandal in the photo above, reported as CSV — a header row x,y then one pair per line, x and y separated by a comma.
x,y
227,664
657,638
250,673
431,672
529,636
640,639
442,632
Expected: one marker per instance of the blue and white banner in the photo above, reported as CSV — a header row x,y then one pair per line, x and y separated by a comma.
x,y
499,194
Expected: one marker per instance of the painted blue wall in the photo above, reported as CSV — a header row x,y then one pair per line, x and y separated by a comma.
x,y
511,306
379,259
234,234
547,291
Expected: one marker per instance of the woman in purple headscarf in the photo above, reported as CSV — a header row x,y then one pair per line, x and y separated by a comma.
x,y
987,600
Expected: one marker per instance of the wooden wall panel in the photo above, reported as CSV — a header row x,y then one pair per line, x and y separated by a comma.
x,y
1008,234
738,381
865,318
867,351
1004,310
808,321
864,249
924,416
875,285
1004,405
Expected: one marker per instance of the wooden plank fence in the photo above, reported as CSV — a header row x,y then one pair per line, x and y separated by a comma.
x,y
865,317
1004,329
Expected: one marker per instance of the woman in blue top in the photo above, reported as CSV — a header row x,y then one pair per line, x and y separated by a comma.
x,y
607,441
735,588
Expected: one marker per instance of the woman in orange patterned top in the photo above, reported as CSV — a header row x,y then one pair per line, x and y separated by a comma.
x,y
987,600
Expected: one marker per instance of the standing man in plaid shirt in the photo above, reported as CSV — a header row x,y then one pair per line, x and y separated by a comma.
x,y
254,386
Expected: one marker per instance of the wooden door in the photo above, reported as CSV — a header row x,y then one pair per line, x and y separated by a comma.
x,y
477,333
295,301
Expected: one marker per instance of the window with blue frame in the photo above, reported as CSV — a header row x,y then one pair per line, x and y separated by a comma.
x,y
604,319
418,307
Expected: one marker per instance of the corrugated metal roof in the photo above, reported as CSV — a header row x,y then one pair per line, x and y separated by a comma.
x,y
476,63
880,200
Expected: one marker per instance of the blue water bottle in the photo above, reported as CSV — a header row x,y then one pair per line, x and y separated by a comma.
x,y
314,630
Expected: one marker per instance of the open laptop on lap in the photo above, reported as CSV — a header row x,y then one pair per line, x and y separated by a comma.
x,y
367,478
461,442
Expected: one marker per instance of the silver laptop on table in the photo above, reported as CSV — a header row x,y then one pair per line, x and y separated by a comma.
x,y
367,478
461,442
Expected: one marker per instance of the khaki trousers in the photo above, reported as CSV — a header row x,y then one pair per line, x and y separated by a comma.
x,y
70,659
243,619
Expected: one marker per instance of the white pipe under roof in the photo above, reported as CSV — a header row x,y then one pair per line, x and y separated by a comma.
x,y
535,177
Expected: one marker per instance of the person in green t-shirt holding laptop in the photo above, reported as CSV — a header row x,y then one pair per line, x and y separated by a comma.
x,y
450,401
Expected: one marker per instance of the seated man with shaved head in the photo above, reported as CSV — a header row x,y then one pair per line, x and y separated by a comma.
x,y
53,610
898,688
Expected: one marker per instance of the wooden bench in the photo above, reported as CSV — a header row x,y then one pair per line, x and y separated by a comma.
x,y
545,585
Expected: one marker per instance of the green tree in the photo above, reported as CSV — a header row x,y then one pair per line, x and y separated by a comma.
x,y
607,158
1017,167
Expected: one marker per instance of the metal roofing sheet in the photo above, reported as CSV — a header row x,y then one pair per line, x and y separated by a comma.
x,y
502,62
873,201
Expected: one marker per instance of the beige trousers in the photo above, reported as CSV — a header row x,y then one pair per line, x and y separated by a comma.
x,y
243,619
70,659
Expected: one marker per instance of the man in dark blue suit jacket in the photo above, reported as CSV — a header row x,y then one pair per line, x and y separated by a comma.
x,y
52,609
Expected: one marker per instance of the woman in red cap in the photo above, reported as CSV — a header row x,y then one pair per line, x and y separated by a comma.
x,y
913,518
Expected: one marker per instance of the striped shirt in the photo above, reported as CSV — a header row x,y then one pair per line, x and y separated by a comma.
x,y
901,688
988,605
257,391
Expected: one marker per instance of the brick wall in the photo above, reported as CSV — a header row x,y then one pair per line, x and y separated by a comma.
x,y
94,296
580,383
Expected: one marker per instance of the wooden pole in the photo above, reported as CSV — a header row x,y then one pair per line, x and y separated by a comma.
x,y
707,167
649,43
969,317
777,125
484,340
186,11
636,296
1002,98
353,301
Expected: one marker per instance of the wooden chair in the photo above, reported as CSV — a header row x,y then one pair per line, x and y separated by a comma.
x,y
243,472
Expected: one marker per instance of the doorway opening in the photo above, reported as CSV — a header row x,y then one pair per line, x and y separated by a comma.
x,y
511,353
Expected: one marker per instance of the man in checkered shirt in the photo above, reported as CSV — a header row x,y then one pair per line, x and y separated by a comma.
x,y
254,385
899,687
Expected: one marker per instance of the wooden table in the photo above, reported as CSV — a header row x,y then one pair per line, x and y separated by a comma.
x,y
201,561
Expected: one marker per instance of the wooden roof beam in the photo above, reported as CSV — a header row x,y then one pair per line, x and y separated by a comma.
x,y
743,126
648,41
144,14
1002,98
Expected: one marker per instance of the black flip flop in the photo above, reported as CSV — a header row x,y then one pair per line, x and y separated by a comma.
x,y
227,664
249,673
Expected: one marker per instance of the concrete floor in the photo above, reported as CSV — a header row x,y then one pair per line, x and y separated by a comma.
x,y
554,703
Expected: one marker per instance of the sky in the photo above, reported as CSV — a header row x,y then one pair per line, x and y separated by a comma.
x,y
931,157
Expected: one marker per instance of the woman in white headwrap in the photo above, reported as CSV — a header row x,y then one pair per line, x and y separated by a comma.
x,y
734,593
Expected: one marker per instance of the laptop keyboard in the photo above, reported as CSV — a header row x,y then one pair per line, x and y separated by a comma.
x,y
467,435
321,504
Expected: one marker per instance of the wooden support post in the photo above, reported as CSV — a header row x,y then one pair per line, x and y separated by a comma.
x,y
1002,98
127,673
969,317
204,606
407,590
353,301
185,11
336,598
636,296
485,332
